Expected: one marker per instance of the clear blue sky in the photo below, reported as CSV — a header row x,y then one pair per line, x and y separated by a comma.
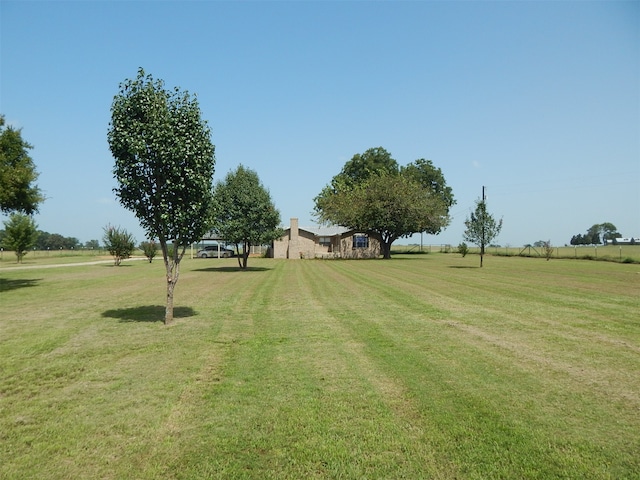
x,y
538,101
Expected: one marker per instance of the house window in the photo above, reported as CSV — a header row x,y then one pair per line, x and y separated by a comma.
x,y
325,241
360,241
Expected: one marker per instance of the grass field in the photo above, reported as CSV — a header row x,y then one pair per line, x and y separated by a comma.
x,y
613,253
423,366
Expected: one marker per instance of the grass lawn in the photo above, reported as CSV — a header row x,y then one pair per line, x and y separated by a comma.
x,y
423,366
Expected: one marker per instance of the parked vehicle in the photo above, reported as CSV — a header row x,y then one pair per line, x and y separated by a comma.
x,y
215,251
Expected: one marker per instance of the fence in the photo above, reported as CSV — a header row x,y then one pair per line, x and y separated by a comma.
x,y
595,252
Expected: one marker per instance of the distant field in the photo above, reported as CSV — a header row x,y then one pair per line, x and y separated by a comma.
x,y
617,253
423,366
41,257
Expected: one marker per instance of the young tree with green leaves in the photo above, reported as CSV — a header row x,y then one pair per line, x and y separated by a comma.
x,y
18,192
119,243
20,234
481,227
548,249
372,194
245,214
164,165
149,249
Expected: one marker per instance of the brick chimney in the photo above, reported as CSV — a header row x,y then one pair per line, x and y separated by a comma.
x,y
294,249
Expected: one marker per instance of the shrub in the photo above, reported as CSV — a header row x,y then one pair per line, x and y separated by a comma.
x,y
118,242
463,249
20,234
547,248
149,249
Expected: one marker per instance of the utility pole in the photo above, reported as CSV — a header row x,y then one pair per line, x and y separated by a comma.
x,y
482,220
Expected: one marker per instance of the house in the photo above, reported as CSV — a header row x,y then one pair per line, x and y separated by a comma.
x,y
623,241
324,242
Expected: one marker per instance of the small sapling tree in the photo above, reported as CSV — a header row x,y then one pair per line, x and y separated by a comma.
x,y
119,243
149,249
20,234
463,249
548,249
481,227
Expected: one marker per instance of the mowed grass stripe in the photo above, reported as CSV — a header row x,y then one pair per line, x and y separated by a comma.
x,y
351,360
586,333
106,361
319,370
308,418
438,387
486,345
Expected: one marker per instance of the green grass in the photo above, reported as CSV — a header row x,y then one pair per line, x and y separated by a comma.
x,y
423,366
611,253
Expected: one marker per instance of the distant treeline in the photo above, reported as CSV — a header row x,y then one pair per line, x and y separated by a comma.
x,y
55,241
596,235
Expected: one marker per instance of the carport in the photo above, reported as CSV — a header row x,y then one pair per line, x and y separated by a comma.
x,y
211,236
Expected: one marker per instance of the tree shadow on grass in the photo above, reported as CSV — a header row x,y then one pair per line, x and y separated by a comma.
x,y
232,269
463,266
147,313
6,284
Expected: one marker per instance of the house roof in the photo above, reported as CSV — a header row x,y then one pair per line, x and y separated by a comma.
x,y
212,235
319,231
325,231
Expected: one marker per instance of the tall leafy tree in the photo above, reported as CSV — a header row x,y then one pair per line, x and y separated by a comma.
x,y
609,231
593,234
481,227
431,179
164,165
245,214
18,191
389,207
20,234
375,161
373,194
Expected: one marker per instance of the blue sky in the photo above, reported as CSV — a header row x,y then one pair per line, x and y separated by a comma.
x,y
537,101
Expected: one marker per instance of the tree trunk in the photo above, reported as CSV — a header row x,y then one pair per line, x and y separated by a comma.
x,y
385,244
168,315
386,249
172,265
245,255
242,259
